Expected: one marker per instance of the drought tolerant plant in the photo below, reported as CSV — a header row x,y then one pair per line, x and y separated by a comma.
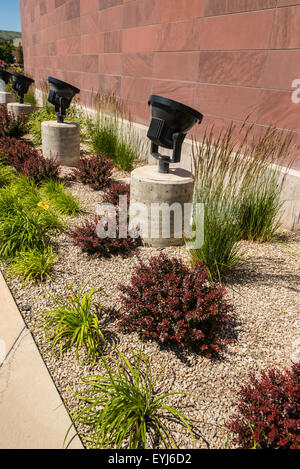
x,y
7,175
74,321
62,200
10,126
33,265
15,153
113,136
38,168
86,238
21,233
261,203
268,411
10,204
173,303
96,171
123,407
219,250
236,181
112,193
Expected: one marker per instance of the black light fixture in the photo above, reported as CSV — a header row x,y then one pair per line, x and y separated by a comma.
x,y
21,83
4,75
61,95
170,123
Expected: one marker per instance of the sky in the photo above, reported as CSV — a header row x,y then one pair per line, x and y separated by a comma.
x,y
10,15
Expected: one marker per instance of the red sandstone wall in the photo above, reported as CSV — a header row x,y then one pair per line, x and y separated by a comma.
x,y
226,58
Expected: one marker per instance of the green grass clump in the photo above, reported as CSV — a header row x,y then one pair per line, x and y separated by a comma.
x,y
123,407
111,138
219,251
10,205
33,265
7,175
259,209
74,321
22,232
239,181
63,201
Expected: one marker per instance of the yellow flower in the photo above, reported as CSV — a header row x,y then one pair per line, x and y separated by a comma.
x,y
44,206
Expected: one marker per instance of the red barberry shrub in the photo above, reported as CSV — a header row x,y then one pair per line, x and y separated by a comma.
x,y
95,171
174,303
11,126
38,168
112,193
85,236
268,411
14,152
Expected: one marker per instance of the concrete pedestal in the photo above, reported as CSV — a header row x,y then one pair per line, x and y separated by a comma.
x,y
161,225
61,141
6,97
20,109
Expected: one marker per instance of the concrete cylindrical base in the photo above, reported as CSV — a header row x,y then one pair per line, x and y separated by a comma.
x,y
61,141
19,109
161,225
6,97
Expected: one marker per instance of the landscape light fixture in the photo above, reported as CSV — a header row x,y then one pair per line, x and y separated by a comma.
x,y
61,95
21,83
4,75
170,123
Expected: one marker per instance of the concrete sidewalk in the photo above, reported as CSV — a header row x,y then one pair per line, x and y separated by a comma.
x,y
32,414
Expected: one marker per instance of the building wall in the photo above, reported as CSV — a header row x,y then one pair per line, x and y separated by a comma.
x,y
229,59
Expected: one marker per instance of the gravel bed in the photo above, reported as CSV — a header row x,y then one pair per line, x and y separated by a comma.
x,y
264,290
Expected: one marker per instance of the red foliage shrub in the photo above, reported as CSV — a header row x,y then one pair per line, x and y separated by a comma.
x,y
174,303
9,125
268,414
85,236
112,193
38,168
14,152
95,171
26,159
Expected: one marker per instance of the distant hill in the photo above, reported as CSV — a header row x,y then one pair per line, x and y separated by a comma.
x,y
9,35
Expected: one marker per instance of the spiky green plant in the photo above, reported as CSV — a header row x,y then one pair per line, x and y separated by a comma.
x,y
74,321
33,265
62,199
123,408
7,175
240,187
9,204
219,251
20,233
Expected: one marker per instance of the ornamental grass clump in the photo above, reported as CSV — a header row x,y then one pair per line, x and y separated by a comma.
x,y
7,175
21,233
174,304
95,171
74,322
62,199
33,265
268,411
124,408
239,179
